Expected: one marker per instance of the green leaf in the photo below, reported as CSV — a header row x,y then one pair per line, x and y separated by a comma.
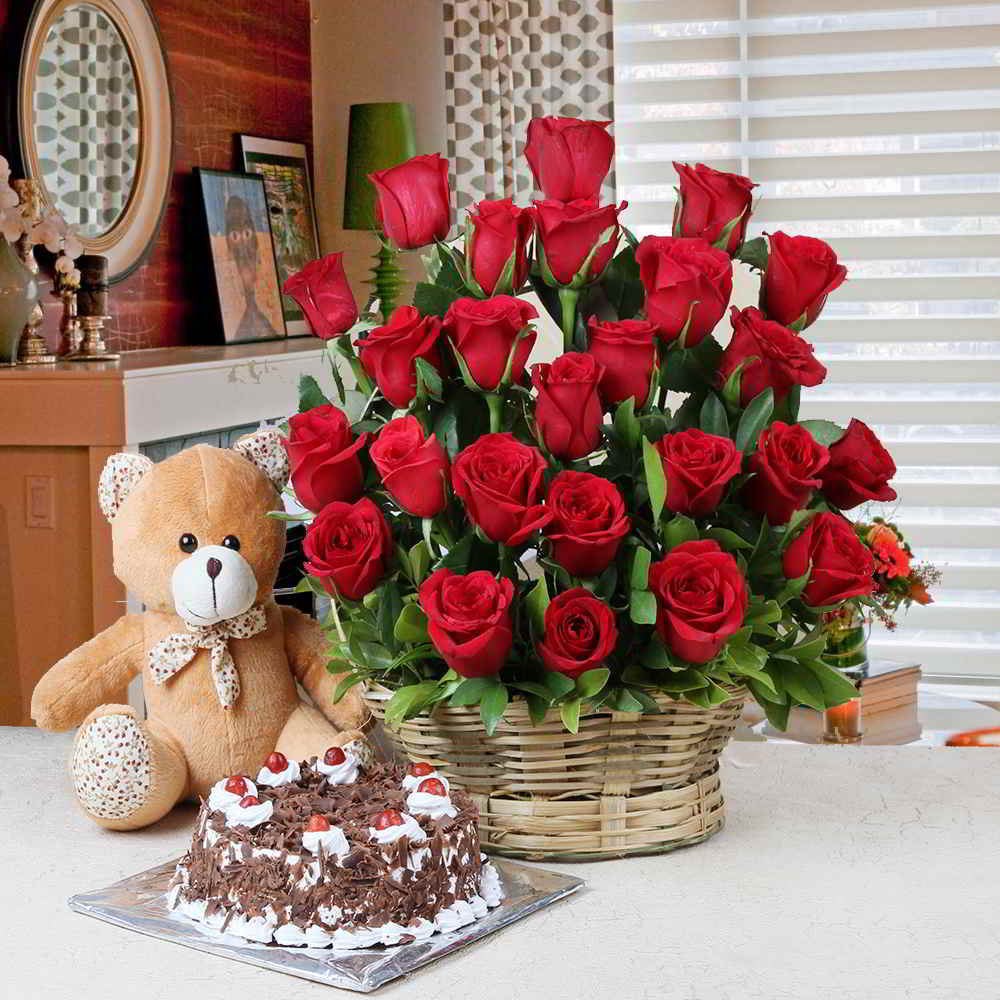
x,y
732,391
621,284
677,530
626,423
420,561
411,625
680,681
492,706
606,583
433,300
537,709
535,603
640,568
802,685
457,557
765,692
390,605
471,690
836,687
656,480
745,656
754,420
591,681
338,380
754,253
625,701
447,273
570,713
810,647
824,432
654,656
713,418
310,394
344,685
777,713
558,684
408,701
642,607
763,614
729,540
793,588
428,380
530,687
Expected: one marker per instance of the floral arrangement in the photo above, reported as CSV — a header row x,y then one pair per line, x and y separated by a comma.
x,y
899,581
558,534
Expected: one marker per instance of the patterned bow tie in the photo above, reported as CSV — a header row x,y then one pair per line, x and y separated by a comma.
x,y
177,650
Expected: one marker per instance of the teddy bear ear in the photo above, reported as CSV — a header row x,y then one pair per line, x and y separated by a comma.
x,y
120,475
265,449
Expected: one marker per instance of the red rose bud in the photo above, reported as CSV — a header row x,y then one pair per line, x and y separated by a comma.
x,y
419,769
801,273
468,618
499,481
570,234
347,548
580,633
701,597
710,203
489,335
236,785
413,202
323,457
496,246
414,468
698,467
432,787
588,522
860,468
334,756
276,762
387,818
317,824
786,467
842,565
249,800
323,294
388,353
568,414
569,157
627,351
688,284
776,357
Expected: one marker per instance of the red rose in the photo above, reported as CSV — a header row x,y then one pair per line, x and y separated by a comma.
x,y
709,201
801,273
496,237
413,469
701,597
323,294
697,466
569,157
688,283
483,331
468,618
568,231
388,353
568,414
842,565
347,548
323,457
413,203
860,468
780,357
786,468
500,482
627,351
580,633
588,522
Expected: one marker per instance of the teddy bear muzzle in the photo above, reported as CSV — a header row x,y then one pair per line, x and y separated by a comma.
x,y
212,584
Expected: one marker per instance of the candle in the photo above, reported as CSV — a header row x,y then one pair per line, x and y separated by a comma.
x,y
842,724
92,299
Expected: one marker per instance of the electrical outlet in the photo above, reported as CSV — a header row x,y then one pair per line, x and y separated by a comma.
x,y
40,501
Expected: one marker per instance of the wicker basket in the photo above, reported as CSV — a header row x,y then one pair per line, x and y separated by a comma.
x,y
626,783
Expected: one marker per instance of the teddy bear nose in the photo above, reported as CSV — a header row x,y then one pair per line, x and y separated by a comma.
x,y
213,568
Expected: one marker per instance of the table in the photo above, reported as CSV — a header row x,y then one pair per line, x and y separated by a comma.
x,y
843,872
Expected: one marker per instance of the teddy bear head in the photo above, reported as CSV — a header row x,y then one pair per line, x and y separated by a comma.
x,y
191,534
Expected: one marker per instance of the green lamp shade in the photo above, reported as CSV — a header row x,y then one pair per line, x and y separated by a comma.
x,y
380,136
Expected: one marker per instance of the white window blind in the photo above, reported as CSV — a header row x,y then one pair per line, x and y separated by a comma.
x,y
878,131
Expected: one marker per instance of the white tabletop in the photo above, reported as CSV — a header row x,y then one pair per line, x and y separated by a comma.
x,y
842,873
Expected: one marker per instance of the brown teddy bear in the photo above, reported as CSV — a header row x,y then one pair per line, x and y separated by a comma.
x,y
219,659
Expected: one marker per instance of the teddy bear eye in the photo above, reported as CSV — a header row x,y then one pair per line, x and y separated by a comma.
x,y
187,543
231,542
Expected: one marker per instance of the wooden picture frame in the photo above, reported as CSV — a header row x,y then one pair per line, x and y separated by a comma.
x,y
284,167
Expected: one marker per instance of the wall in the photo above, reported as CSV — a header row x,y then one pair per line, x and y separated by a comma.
x,y
236,66
376,50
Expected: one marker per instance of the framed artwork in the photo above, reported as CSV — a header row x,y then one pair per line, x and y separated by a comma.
x,y
242,255
285,170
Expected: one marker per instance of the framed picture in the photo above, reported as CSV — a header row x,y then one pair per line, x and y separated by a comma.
x,y
285,170
242,255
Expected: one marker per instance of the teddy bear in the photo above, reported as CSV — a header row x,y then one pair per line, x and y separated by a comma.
x,y
219,658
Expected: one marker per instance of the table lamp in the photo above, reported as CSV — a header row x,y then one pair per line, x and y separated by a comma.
x,y
380,136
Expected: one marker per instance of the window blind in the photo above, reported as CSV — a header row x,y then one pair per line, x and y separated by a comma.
x,y
878,131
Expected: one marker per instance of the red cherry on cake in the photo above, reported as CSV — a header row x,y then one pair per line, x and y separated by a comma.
x,y
249,800
276,762
420,769
236,785
334,756
387,818
432,787
317,824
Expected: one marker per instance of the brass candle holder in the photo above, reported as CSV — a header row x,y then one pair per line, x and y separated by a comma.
x,y
32,349
70,333
92,346
92,306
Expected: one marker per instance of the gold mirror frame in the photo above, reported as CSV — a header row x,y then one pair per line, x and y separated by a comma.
x,y
130,238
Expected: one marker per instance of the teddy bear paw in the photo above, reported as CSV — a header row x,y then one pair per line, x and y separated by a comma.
x,y
111,767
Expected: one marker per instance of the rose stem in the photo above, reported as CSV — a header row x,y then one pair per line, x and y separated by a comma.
x,y
495,401
567,299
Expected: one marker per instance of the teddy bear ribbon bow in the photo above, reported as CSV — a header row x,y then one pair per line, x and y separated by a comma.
x,y
177,650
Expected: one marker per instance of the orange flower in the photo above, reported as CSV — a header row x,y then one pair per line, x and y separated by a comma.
x,y
891,558
918,593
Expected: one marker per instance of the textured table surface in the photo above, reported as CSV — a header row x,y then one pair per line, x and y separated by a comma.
x,y
842,873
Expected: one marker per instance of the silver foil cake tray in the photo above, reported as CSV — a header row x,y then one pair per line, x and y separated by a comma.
x,y
138,903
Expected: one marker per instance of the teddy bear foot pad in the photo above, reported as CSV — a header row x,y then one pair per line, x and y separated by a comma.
x,y
139,903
